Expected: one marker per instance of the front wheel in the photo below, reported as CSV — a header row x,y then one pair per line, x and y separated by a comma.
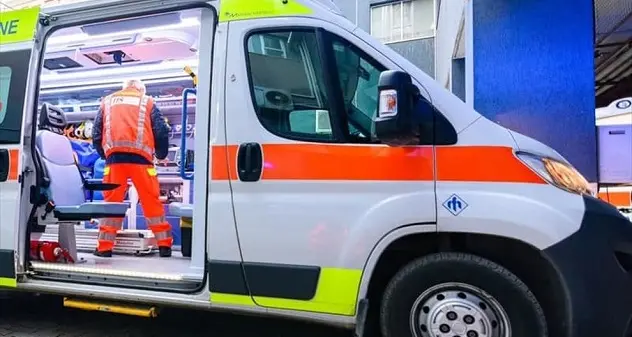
x,y
459,295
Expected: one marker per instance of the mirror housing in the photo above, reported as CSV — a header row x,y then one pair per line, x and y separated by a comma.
x,y
397,95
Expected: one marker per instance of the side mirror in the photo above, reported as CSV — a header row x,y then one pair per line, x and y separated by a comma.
x,y
395,122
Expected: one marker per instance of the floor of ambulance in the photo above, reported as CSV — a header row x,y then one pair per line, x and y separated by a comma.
x,y
152,266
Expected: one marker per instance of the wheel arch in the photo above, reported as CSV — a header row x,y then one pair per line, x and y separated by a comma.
x,y
401,246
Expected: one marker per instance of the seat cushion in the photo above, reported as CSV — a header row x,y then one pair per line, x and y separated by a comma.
x,y
91,210
181,210
66,184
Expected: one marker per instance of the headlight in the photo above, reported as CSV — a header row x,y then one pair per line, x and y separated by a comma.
x,y
557,173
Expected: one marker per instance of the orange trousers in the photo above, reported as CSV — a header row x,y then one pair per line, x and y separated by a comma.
x,y
145,180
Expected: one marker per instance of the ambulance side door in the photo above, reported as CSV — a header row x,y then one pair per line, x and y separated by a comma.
x,y
17,47
313,193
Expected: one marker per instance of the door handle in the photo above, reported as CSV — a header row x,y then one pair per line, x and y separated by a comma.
x,y
249,162
4,165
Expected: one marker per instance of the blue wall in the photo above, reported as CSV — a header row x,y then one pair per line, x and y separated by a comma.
x,y
534,72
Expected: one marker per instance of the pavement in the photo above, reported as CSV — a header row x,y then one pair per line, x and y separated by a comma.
x,y
44,316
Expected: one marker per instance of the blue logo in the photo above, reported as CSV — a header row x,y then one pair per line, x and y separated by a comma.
x,y
455,205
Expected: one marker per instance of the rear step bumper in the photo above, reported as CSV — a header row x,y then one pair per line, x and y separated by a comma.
x,y
112,307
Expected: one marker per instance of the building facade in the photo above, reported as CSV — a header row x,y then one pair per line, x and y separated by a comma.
x,y
407,26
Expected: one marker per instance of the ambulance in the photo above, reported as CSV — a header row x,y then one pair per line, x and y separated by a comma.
x,y
332,181
614,129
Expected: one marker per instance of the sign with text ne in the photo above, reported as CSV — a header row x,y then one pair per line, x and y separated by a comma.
x,y
19,25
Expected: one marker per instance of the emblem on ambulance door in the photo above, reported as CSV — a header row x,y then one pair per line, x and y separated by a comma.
x,y
455,205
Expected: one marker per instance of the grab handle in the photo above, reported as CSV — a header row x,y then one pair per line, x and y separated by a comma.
x,y
183,136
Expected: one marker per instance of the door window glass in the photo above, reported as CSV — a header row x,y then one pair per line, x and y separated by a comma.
x,y
359,77
288,84
286,75
5,84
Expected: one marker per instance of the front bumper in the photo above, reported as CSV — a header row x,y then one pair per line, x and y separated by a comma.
x,y
595,267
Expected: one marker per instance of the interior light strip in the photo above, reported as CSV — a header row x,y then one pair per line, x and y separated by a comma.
x,y
77,268
164,67
95,86
78,38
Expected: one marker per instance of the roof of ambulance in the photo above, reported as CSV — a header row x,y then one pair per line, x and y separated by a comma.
x,y
328,5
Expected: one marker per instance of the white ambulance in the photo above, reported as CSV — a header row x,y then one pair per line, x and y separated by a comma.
x,y
614,129
333,181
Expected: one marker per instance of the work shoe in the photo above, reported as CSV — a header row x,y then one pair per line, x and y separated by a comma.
x,y
105,253
164,251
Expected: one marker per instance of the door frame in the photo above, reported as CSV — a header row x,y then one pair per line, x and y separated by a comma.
x,y
59,17
22,40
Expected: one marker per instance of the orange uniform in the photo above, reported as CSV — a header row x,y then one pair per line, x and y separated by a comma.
x,y
125,137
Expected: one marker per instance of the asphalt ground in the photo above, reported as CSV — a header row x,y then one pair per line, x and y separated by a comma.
x,y
45,316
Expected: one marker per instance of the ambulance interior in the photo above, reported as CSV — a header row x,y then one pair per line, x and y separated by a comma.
x,y
82,65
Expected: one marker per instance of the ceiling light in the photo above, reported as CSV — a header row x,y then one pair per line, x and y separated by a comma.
x,y
96,85
72,77
82,37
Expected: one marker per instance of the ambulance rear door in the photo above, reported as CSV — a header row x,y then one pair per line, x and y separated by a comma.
x,y
18,51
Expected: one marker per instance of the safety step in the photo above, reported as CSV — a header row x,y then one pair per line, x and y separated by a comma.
x,y
111,307
93,268
137,242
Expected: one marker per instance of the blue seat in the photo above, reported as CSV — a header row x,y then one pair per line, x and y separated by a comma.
x,y
181,210
66,188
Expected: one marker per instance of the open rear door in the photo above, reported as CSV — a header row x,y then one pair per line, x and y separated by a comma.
x,y
17,55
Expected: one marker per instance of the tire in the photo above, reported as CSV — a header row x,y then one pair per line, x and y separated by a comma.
x,y
431,285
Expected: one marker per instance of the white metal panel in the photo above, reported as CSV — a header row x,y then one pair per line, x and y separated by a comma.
x,y
615,153
538,214
323,223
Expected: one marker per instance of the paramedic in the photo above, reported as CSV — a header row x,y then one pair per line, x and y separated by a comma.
x,y
128,131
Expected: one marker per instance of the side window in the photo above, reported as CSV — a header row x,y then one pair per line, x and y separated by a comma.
x,y
5,85
13,76
289,79
359,78
286,77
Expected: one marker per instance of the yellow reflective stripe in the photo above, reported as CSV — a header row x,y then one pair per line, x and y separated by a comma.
x,y
231,10
232,299
8,282
19,25
337,293
106,171
152,172
186,223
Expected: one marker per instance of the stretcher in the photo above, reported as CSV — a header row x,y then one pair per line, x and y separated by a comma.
x,y
132,242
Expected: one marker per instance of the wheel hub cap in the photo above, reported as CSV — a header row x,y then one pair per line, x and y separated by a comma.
x,y
458,310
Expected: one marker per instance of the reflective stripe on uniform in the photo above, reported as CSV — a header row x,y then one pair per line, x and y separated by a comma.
x,y
114,223
107,236
162,235
107,124
155,220
137,144
133,145
140,129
